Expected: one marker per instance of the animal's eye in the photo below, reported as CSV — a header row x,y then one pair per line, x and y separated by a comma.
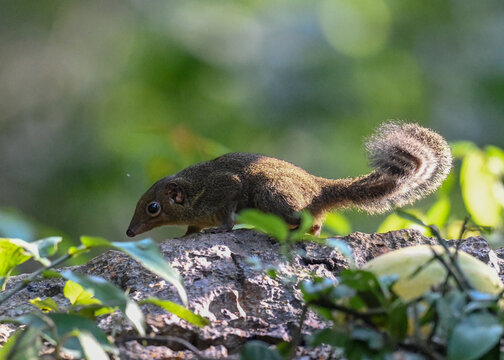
x,y
153,209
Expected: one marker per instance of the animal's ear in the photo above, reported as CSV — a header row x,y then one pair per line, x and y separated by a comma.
x,y
175,193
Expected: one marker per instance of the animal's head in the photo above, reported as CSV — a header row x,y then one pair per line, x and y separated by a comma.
x,y
163,204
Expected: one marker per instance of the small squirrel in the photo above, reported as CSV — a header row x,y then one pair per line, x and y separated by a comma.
x,y
409,162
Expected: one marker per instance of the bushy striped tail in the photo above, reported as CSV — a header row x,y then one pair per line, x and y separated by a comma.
x,y
409,162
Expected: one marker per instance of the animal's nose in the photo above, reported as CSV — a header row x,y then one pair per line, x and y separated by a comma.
x,y
130,233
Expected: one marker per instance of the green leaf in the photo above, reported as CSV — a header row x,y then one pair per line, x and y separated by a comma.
x,y
475,306
45,305
255,350
338,224
359,279
24,344
305,225
369,289
427,315
448,184
178,310
48,246
496,239
57,326
146,251
136,316
316,288
494,151
495,165
462,148
343,248
474,336
11,255
77,295
284,349
410,217
271,272
397,320
40,249
478,184
68,323
267,223
96,310
100,288
93,241
89,242
373,339
109,295
449,309
50,274
74,251
481,296
91,347
439,212
396,222
36,320
91,311
328,336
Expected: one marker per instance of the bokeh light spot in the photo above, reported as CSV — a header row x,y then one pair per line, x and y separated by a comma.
x,y
356,28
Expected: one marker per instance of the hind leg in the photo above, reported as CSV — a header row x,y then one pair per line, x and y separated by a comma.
x,y
315,229
318,220
288,206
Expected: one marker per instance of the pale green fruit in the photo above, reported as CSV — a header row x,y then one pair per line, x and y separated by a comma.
x,y
405,261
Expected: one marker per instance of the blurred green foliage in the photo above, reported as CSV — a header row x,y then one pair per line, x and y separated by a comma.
x,y
98,100
473,193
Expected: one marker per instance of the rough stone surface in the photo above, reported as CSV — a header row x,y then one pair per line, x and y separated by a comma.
x,y
242,303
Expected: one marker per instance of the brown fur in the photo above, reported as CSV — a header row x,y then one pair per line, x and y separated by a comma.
x,y
409,162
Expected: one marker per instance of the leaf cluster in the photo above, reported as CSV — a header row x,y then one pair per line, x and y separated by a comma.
x,y
72,330
370,321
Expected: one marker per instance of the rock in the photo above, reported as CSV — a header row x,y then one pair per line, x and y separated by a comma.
x,y
222,285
